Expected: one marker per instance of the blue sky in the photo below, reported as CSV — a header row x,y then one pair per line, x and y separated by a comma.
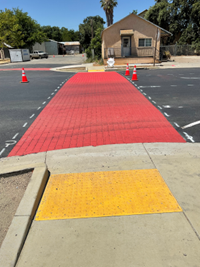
x,y
70,14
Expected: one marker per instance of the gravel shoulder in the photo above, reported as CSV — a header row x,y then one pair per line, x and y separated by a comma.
x,y
12,188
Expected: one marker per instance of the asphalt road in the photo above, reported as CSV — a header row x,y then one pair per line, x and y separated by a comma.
x,y
21,103
51,62
176,93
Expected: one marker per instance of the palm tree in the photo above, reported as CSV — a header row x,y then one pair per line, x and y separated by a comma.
x,y
108,6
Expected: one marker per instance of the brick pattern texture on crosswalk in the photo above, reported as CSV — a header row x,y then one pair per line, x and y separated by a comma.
x,y
93,109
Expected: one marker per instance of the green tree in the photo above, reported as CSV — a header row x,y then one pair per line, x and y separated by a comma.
x,y
180,17
48,31
89,27
64,32
73,35
8,29
53,33
18,29
108,6
59,35
56,34
195,14
134,11
95,44
159,14
185,21
30,31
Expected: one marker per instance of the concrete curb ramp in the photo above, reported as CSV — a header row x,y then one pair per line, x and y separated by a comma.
x,y
19,228
153,240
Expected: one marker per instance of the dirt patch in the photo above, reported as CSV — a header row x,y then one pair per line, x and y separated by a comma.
x,y
4,61
12,188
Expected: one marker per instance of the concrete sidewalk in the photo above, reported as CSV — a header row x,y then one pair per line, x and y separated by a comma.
x,y
115,205
156,239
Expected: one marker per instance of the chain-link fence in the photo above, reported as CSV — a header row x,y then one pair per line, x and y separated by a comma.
x,y
178,50
119,52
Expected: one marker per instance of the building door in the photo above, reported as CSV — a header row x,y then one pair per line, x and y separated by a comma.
x,y
126,46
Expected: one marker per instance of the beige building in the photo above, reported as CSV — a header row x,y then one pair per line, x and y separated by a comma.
x,y
72,47
132,40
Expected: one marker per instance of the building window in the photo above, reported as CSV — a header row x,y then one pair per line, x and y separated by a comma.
x,y
145,42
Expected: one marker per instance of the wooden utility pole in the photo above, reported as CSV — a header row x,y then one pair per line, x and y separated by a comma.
x,y
92,31
156,47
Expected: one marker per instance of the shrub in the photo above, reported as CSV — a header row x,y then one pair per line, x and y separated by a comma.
x,y
167,54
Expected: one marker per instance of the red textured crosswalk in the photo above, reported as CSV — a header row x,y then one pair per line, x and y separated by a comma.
x,y
94,109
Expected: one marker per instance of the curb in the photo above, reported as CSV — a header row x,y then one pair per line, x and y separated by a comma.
x,y
123,68
2,63
21,223
75,68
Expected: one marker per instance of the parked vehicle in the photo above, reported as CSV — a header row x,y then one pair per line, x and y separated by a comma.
x,y
38,54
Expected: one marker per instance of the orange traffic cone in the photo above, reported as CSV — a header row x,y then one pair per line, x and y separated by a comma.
x,y
127,70
134,77
24,78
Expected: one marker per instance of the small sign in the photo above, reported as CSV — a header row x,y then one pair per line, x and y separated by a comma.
x,y
25,54
111,62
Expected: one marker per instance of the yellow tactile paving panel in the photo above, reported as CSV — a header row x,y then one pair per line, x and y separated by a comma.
x,y
99,194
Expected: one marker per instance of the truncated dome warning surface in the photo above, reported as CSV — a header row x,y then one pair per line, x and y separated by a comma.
x,y
100,194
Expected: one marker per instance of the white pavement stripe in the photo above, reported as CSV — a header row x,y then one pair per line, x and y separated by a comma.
x,y
153,86
56,90
173,85
154,102
166,106
176,124
2,151
149,97
191,78
32,116
159,107
49,97
44,103
144,94
25,124
39,108
52,94
189,137
15,136
166,114
191,124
